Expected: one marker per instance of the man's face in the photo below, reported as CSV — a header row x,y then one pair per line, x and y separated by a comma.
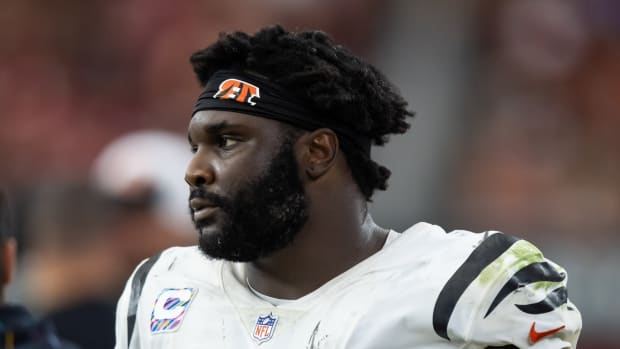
x,y
246,198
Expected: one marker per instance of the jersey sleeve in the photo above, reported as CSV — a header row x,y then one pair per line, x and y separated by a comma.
x,y
121,321
512,297
125,309
122,309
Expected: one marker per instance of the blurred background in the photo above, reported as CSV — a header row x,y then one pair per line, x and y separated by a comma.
x,y
517,102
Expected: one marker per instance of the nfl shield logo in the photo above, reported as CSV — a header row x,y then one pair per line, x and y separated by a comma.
x,y
265,325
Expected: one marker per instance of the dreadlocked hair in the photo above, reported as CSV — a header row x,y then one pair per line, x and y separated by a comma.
x,y
328,77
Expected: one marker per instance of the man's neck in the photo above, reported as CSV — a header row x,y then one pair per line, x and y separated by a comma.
x,y
324,249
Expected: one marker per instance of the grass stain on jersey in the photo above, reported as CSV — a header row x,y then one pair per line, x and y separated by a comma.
x,y
492,271
518,256
544,285
524,250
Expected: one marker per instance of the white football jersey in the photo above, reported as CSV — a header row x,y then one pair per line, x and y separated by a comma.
x,y
425,289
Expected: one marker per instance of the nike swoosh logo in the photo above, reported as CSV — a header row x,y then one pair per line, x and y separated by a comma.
x,y
535,336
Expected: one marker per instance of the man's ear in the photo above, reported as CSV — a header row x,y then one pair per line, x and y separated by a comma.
x,y
8,255
320,148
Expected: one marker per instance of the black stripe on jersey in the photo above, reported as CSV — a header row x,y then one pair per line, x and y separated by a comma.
x,y
136,290
509,346
556,298
488,251
535,272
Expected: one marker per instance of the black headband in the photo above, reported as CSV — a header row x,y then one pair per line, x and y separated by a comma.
x,y
249,94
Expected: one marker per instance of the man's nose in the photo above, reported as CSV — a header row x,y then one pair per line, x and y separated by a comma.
x,y
199,172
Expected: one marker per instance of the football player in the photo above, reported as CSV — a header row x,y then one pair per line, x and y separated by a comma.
x,y
288,254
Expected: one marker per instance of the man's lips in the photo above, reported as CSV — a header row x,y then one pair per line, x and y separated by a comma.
x,y
202,208
204,212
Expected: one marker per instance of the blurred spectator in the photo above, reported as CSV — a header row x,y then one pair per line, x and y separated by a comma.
x,y
18,328
74,267
85,238
148,166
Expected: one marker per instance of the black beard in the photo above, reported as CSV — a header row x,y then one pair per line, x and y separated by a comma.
x,y
262,217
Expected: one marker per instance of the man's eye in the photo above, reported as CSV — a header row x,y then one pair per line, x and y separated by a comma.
x,y
194,148
227,142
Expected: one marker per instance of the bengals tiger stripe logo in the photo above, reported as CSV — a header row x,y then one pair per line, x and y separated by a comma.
x,y
237,90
